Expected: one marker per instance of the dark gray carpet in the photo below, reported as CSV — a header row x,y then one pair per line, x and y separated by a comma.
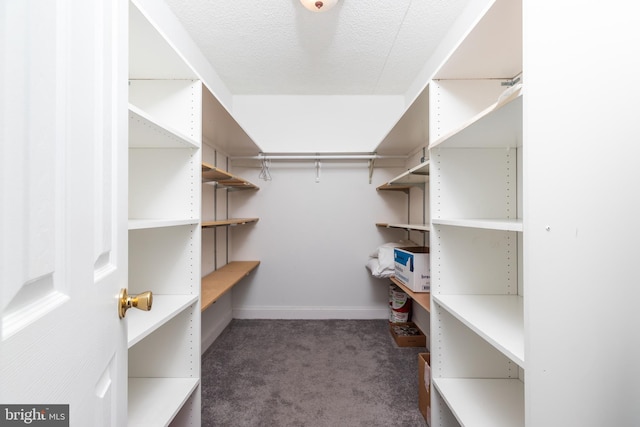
x,y
333,373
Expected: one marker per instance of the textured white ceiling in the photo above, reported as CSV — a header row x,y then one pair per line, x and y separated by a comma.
x,y
276,47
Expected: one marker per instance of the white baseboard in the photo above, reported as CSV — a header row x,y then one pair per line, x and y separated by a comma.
x,y
214,330
310,313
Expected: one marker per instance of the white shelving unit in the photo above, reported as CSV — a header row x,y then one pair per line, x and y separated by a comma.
x,y
489,224
474,401
147,131
498,319
165,308
140,224
219,273
416,177
410,137
223,278
477,312
495,126
164,397
408,227
164,229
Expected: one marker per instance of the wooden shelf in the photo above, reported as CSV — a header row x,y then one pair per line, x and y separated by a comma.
x,y
423,299
417,175
498,126
394,187
217,283
225,179
147,132
484,402
156,401
165,307
230,221
484,223
414,227
498,319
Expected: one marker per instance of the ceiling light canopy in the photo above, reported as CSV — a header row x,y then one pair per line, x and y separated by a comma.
x,y
317,5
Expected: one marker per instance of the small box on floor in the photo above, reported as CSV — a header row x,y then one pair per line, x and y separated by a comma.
x,y
407,335
412,267
424,386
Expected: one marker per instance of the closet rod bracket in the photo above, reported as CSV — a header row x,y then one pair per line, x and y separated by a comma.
x,y
371,165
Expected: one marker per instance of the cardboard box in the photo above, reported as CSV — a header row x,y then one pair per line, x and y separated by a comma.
x,y
424,386
412,267
399,332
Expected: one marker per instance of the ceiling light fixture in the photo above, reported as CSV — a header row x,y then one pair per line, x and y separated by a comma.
x,y
317,5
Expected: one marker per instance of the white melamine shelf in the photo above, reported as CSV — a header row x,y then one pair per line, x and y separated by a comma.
x,y
417,227
499,126
156,401
484,402
414,176
164,308
139,224
485,223
147,132
499,319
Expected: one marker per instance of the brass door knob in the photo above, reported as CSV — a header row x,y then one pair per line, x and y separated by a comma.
x,y
141,301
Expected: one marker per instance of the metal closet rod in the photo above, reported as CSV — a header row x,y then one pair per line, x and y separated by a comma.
x,y
319,156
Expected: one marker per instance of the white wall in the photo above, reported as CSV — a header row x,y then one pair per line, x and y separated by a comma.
x,y
313,241
282,123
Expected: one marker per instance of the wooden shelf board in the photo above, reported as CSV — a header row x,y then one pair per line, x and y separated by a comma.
x,y
165,307
230,221
416,227
498,319
485,223
394,187
217,283
156,401
484,402
211,173
146,132
423,299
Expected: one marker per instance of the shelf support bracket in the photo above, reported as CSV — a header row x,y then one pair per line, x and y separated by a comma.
x,y
512,82
371,164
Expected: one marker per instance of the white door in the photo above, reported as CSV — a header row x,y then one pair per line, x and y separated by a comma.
x,y
63,244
